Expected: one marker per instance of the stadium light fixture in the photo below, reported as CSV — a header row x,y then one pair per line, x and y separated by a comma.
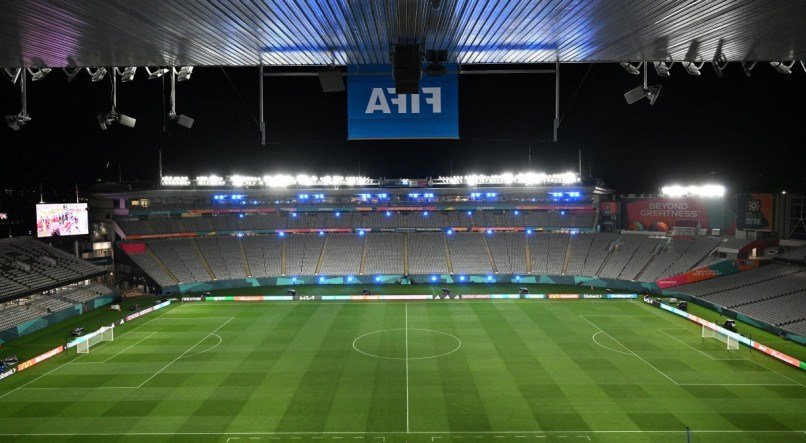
x,y
127,74
693,68
14,74
639,92
38,73
630,68
707,191
184,73
782,67
180,119
97,75
71,73
662,69
157,73
747,67
17,121
105,119
719,62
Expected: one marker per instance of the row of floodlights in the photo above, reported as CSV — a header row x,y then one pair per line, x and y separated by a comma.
x,y
287,180
706,191
693,65
97,74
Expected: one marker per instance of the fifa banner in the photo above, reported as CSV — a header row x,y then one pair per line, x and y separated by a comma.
x,y
376,111
754,212
740,338
661,214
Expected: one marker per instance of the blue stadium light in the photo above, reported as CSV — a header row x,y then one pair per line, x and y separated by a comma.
x,y
378,278
475,195
360,232
490,278
294,214
254,202
383,196
491,194
240,215
365,197
517,213
449,232
517,278
414,195
433,278
556,194
281,234
425,213
489,232
239,235
428,195
350,279
461,278
562,212
319,196
469,213
388,214
321,233
338,214
574,194
303,196
322,279
529,231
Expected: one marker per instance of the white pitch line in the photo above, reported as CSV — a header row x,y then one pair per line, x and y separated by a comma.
x,y
183,354
337,434
135,344
631,351
406,310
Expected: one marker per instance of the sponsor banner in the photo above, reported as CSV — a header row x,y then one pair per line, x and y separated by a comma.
x,y
661,214
7,373
39,358
535,296
592,296
405,297
754,212
707,272
505,296
147,310
621,296
563,296
376,111
192,299
252,298
740,338
475,297
307,298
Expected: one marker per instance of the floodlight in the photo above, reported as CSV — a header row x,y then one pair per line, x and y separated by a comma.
x,y
113,116
71,73
719,62
127,74
97,75
662,69
651,93
180,119
782,67
692,68
184,73
159,72
38,73
15,122
13,73
630,68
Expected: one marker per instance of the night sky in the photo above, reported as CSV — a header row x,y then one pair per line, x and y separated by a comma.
x,y
745,133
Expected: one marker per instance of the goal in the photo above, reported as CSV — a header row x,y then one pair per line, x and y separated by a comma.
x,y
731,342
106,333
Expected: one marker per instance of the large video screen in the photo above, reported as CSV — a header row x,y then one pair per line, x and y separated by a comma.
x,y
60,219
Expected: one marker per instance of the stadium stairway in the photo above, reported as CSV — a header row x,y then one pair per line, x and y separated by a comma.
x,y
245,261
363,267
406,253
567,257
162,264
447,254
321,256
490,255
203,260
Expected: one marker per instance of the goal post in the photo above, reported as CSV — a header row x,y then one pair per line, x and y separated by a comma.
x,y
106,333
731,342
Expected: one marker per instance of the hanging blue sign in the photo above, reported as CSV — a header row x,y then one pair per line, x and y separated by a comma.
x,y
375,111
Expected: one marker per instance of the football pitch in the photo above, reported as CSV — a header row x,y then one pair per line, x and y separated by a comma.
x,y
432,371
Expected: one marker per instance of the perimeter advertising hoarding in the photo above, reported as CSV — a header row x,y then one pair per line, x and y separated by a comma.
x,y
661,214
375,111
61,219
754,212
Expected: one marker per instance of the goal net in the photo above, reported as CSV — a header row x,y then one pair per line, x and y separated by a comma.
x,y
106,333
731,342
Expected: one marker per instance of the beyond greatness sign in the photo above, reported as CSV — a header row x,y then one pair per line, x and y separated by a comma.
x,y
376,111
661,214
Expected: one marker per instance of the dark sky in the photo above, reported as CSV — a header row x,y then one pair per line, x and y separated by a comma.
x,y
745,133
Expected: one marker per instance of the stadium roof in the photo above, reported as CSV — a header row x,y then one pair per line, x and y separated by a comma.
x,y
322,32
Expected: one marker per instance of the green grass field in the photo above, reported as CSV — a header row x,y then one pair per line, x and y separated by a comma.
x,y
426,371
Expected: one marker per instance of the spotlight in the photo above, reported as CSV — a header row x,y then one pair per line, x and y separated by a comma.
x,y
14,74
159,72
71,73
649,92
107,118
184,73
719,62
662,69
748,67
692,68
630,68
782,67
15,122
96,75
180,119
128,73
39,73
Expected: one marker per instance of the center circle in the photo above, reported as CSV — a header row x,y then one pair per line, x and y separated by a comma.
x,y
396,344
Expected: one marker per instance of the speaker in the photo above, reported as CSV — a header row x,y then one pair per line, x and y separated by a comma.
x,y
331,80
407,68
